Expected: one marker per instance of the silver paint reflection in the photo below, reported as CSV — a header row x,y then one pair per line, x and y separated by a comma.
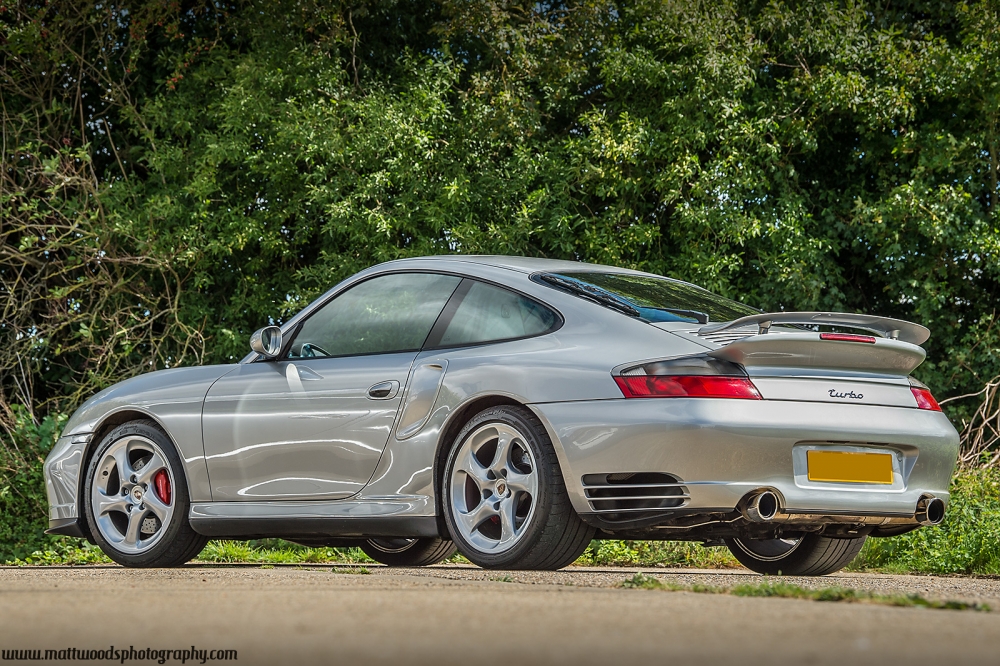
x,y
299,429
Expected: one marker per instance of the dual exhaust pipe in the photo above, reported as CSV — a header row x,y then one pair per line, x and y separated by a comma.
x,y
764,506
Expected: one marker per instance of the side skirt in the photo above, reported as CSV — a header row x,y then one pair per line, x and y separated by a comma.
x,y
307,528
258,520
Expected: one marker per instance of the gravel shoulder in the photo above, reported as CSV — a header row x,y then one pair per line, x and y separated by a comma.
x,y
460,614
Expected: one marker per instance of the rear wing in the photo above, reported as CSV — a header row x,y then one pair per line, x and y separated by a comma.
x,y
894,329
807,351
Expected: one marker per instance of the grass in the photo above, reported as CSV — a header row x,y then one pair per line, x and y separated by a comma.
x,y
656,554
844,594
266,552
277,551
641,581
769,588
64,551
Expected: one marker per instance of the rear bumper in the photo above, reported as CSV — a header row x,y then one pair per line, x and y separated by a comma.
x,y
721,450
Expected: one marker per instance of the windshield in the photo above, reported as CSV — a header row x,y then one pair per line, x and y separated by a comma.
x,y
655,299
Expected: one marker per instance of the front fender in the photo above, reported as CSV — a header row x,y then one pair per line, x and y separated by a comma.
x,y
173,398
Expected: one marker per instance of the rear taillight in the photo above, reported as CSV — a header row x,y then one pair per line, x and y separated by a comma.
x,y
847,337
687,386
924,399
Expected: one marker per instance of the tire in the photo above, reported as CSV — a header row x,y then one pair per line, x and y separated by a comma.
x,y
129,519
809,555
408,552
505,502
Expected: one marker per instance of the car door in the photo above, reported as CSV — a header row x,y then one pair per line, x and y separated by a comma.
x,y
313,423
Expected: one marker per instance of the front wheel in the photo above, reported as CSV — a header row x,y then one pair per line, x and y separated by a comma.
x,y
408,552
506,505
136,499
808,555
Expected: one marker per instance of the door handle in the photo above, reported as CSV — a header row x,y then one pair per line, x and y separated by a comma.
x,y
384,390
308,375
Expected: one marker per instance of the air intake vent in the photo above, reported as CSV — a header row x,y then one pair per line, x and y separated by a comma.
x,y
631,494
725,337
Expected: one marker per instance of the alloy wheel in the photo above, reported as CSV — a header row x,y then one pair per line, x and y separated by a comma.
x,y
132,494
494,486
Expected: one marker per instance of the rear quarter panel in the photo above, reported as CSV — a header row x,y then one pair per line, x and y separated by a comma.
x,y
573,363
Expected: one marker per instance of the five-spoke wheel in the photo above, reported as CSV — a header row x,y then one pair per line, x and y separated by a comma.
x,y
506,505
137,499
494,483
131,496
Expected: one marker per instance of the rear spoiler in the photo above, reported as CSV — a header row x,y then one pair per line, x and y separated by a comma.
x,y
894,329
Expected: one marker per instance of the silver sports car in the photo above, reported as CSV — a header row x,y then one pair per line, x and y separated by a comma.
x,y
516,409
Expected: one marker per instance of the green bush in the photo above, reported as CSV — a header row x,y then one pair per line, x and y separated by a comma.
x,y
967,542
238,159
23,504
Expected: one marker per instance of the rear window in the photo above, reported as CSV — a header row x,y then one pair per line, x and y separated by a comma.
x,y
651,298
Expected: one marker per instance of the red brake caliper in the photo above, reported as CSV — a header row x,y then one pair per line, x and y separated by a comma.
x,y
161,483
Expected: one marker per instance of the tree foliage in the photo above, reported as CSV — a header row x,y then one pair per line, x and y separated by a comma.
x,y
176,174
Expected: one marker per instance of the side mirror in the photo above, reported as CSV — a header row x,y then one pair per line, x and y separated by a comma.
x,y
267,341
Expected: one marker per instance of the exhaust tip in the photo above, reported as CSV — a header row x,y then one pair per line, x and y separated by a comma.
x,y
930,511
762,507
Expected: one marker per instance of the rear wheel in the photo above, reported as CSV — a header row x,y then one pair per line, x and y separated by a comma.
x,y
408,552
808,555
506,505
137,499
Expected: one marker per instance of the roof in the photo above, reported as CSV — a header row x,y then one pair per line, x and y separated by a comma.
x,y
520,264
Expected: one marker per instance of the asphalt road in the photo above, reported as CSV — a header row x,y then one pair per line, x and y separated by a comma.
x,y
463,615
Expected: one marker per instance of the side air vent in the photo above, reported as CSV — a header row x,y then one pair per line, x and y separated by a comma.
x,y
627,495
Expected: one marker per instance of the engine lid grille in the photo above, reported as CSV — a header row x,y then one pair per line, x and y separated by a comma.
x,y
723,338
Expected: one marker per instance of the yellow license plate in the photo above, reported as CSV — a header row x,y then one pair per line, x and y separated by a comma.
x,y
849,467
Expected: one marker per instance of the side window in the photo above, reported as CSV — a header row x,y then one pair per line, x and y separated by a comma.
x,y
489,313
390,313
